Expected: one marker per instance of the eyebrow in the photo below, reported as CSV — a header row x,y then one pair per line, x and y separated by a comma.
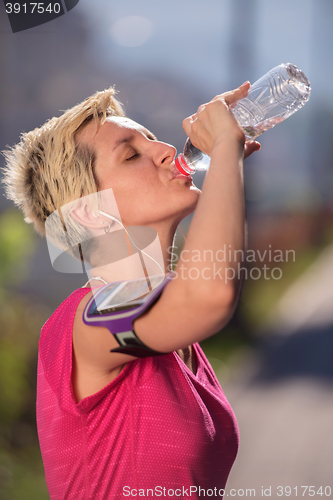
x,y
130,138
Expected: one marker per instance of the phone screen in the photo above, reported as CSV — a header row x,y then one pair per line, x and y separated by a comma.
x,y
123,295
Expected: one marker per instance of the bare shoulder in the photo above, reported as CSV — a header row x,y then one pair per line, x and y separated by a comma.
x,y
94,366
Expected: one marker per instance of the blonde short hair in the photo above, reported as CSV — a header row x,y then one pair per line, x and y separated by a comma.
x,y
48,169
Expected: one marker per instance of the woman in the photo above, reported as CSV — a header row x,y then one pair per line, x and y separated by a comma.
x,y
111,425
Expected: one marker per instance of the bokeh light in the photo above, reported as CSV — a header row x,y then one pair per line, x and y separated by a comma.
x,y
131,31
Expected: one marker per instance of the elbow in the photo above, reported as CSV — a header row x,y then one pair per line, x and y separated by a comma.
x,y
225,299
219,294
223,306
218,303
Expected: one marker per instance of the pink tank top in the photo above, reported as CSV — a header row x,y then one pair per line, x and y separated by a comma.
x,y
157,430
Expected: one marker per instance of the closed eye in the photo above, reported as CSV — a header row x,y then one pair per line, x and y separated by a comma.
x,y
133,157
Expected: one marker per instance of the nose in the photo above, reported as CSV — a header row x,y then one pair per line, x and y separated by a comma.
x,y
164,154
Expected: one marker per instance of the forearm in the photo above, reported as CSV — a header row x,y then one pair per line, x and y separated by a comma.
x,y
202,298
215,244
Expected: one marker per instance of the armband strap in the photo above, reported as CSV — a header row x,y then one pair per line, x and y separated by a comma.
x,y
130,343
119,319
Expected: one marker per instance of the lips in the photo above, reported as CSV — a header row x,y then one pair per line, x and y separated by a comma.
x,y
177,175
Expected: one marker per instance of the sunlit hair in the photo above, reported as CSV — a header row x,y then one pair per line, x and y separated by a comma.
x,y
48,168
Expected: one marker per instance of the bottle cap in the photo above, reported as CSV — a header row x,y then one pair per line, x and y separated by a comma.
x,y
182,166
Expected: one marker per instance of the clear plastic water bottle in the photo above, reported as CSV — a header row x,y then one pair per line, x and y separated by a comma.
x,y
271,99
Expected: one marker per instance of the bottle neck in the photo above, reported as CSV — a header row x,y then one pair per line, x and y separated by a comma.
x,y
182,166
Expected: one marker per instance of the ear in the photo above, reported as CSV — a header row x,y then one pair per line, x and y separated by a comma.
x,y
85,216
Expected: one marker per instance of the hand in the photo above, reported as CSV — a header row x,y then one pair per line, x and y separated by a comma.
x,y
214,122
231,99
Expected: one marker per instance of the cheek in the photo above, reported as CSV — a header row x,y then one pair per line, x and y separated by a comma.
x,y
137,203
135,184
142,198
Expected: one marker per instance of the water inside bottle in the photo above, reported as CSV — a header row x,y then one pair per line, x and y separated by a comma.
x,y
271,99
252,133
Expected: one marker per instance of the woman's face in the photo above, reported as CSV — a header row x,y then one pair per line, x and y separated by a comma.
x,y
140,170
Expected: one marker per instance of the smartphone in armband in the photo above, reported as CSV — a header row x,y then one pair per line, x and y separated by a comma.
x,y
117,305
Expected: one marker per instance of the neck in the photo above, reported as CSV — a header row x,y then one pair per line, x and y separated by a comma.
x,y
132,267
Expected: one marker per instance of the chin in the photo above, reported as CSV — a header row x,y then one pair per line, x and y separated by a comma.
x,y
195,188
194,193
192,203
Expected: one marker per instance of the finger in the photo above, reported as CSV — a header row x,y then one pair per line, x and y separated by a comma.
x,y
190,119
242,89
235,95
251,147
187,125
231,97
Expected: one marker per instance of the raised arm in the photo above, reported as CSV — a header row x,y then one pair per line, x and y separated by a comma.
x,y
190,310
202,299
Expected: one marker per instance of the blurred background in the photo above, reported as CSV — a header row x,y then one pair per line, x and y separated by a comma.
x,y
275,358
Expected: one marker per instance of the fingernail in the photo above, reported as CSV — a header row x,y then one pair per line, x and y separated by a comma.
x,y
245,83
